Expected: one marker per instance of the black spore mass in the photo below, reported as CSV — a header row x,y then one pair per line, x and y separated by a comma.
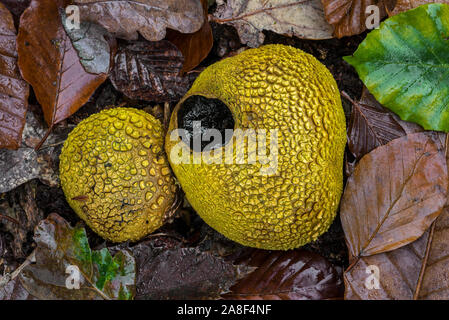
x,y
205,113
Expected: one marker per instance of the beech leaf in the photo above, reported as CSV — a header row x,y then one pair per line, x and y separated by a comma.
x,y
287,275
50,63
194,46
371,125
59,246
405,5
349,17
303,19
404,65
394,194
183,273
124,18
416,271
13,89
93,44
150,71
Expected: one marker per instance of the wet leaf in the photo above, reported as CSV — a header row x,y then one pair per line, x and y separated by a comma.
x,y
58,247
349,16
405,5
371,125
50,63
150,18
183,273
287,275
403,64
416,271
94,45
150,71
13,89
394,194
194,46
303,19
25,164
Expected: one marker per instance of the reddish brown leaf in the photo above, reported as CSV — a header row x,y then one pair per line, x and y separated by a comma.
x,y
49,62
394,194
194,46
371,125
150,71
348,16
13,90
416,271
404,5
182,273
287,275
150,18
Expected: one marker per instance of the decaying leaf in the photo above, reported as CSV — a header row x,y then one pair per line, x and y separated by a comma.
x,y
50,63
194,46
416,271
62,251
404,5
349,17
25,164
183,273
371,125
303,19
94,44
20,205
394,194
13,89
150,18
150,71
287,275
14,290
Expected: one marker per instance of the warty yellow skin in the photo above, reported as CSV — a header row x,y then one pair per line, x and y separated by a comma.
x,y
271,87
115,174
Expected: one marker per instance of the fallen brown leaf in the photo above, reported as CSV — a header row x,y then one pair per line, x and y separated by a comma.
x,y
303,19
50,63
286,275
182,273
13,89
394,194
416,271
150,18
194,46
371,125
348,16
404,5
150,71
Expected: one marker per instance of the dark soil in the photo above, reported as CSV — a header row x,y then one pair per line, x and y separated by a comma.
x,y
188,227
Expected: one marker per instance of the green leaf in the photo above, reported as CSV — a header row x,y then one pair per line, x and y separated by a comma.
x,y
59,246
405,65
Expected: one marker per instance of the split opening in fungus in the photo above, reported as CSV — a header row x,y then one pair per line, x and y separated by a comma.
x,y
197,115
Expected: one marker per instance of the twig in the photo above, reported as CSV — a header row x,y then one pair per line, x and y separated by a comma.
x,y
11,276
39,145
424,264
2,216
166,115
